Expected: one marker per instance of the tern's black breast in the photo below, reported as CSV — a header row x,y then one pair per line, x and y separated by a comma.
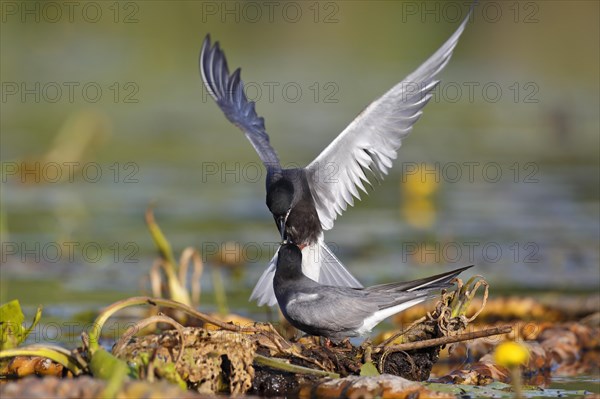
x,y
303,225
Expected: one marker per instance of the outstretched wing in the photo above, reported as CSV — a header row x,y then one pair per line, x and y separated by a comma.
x,y
228,91
372,139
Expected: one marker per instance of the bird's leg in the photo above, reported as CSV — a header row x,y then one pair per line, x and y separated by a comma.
x,y
346,343
326,342
367,350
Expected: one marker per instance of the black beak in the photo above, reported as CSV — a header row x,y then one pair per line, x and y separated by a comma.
x,y
281,225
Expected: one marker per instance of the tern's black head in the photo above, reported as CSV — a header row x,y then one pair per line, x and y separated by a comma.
x,y
289,260
280,196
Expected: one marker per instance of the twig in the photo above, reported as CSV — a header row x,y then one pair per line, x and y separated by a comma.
x,y
400,333
292,368
137,327
448,339
485,297
94,335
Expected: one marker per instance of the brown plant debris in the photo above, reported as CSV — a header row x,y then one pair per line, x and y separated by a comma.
x,y
212,361
556,349
23,366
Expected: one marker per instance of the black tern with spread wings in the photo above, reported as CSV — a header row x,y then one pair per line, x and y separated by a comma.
x,y
340,312
306,201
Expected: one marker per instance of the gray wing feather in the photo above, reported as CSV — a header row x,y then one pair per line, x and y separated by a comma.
x,y
436,282
228,92
263,292
370,142
331,270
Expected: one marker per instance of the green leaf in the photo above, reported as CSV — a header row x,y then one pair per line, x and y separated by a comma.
x,y
36,320
176,290
368,370
12,331
11,322
106,366
169,372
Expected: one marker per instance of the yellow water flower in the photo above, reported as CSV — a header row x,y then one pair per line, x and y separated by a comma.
x,y
511,354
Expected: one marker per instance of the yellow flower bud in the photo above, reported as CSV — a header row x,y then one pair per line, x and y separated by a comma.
x,y
511,354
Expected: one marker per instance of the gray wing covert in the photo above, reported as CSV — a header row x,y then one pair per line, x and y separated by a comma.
x,y
336,308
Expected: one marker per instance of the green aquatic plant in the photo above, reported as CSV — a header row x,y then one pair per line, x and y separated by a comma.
x,y
12,331
175,281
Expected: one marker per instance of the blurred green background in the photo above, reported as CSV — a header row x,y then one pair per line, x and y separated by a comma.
x,y
103,113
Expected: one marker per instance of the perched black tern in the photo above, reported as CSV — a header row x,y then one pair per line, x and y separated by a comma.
x,y
306,201
340,312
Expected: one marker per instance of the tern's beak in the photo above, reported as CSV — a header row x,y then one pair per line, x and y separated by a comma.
x,y
281,225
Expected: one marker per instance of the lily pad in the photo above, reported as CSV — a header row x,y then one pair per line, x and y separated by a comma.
x,y
502,390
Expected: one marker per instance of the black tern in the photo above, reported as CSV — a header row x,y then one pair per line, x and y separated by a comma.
x,y
340,312
306,201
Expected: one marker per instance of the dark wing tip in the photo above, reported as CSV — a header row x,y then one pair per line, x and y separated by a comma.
x,y
462,269
206,42
203,51
213,69
448,276
228,92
